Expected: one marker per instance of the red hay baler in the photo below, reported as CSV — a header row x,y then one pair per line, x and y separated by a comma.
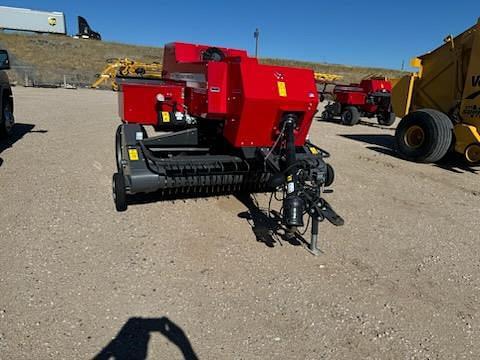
x,y
227,125
370,98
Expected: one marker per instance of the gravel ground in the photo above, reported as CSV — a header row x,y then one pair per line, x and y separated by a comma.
x,y
187,279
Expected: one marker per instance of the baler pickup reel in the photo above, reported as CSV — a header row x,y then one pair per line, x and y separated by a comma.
x,y
229,125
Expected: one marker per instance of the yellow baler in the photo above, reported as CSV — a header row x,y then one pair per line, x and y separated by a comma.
x,y
440,104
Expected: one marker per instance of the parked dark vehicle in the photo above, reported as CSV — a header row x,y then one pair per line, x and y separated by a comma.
x,y
6,97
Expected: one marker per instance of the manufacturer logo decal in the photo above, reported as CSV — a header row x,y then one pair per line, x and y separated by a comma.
x,y
475,83
475,80
52,21
473,96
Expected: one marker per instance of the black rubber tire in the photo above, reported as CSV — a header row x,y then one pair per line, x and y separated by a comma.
x,y
7,120
386,119
438,136
350,116
119,193
144,131
330,176
140,71
118,148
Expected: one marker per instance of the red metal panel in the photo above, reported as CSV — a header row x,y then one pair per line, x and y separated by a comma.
x,y
351,98
138,103
217,89
139,100
373,85
259,104
196,101
356,94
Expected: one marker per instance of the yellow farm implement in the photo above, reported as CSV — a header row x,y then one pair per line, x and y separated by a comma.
x,y
126,67
326,78
440,103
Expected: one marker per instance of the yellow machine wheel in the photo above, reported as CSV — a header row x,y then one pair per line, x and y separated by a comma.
x,y
123,71
424,135
414,137
472,154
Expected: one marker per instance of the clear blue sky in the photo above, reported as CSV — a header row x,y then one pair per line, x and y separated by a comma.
x,y
355,32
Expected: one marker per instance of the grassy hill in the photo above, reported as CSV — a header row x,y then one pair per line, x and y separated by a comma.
x,y
349,73
47,58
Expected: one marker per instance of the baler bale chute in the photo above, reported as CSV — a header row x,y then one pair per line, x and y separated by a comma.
x,y
228,125
440,104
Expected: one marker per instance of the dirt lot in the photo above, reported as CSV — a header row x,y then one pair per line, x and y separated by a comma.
x,y
188,279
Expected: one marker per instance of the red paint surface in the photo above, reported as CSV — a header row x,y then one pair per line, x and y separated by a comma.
x,y
238,90
356,94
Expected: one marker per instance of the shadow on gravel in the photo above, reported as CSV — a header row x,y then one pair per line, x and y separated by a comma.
x,y
337,121
19,131
455,163
132,340
149,198
267,227
378,126
385,144
383,140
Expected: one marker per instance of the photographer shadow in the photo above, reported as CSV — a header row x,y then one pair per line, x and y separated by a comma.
x,y
131,343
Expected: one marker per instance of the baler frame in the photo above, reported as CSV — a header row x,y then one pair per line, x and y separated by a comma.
x,y
137,173
244,135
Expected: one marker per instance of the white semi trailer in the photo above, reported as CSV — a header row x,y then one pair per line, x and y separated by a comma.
x,y
12,18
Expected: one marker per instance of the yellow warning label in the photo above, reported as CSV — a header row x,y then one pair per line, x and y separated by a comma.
x,y
289,178
165,116
313,150
133,154
282,88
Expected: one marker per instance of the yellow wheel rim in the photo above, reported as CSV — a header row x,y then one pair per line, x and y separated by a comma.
x,y
472,153
414,136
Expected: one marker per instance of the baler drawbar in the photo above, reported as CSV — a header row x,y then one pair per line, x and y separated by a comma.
x,y
227,125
